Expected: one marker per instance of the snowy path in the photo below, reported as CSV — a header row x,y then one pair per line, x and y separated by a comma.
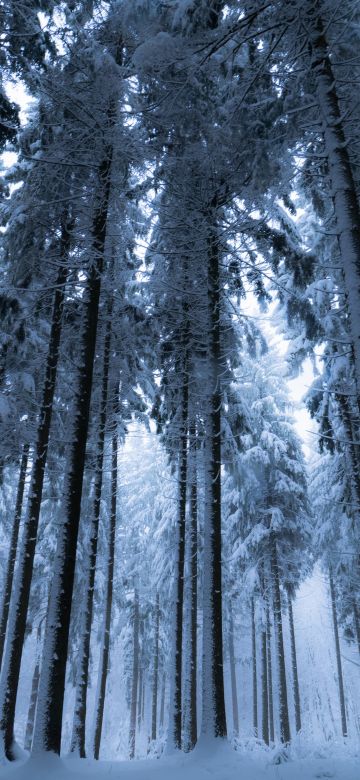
x,y
222,763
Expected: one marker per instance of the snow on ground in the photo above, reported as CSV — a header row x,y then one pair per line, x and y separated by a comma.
x,y
207,762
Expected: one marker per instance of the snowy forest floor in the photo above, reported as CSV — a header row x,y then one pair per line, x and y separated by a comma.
x,y
219,762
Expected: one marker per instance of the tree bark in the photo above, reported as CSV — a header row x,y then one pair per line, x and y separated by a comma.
x,y
192,725
135,677
214,716
264,688
347,415
140,697
338,656
143,698
346,204
156,671
32,706
175,715
254,669
19,607
294,667
269,676
285,735
234,696
79,722
105,648
48,722
162,701
9,576
356,624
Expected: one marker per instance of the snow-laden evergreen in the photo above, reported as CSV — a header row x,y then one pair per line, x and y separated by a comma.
x,y
179,238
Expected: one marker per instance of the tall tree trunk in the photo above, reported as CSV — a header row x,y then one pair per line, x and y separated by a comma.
x,y
79,722
192,724
294,667
140,695
234,696
175,715
269,676
254,669
143,698
356,624
162,701
48,722
264,688
346,204
135,677
156,671
283,700
338,656
213,716
19,605
9,576
347,416
105,645
32,705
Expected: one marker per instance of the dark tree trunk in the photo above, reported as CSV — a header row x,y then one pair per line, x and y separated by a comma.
x,y
176,703
346,204
283,700
294,668
214,716
48,722
356,624
338,656
162,701
143,697
192,725
254,670
105,648
269,676
18,613
135,677
32,706
347,416
156,671
264,688
79,724
140,697
13,549
234,696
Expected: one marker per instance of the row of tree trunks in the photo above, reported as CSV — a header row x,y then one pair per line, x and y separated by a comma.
x,y
20,600
267,705
79,722
47,735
